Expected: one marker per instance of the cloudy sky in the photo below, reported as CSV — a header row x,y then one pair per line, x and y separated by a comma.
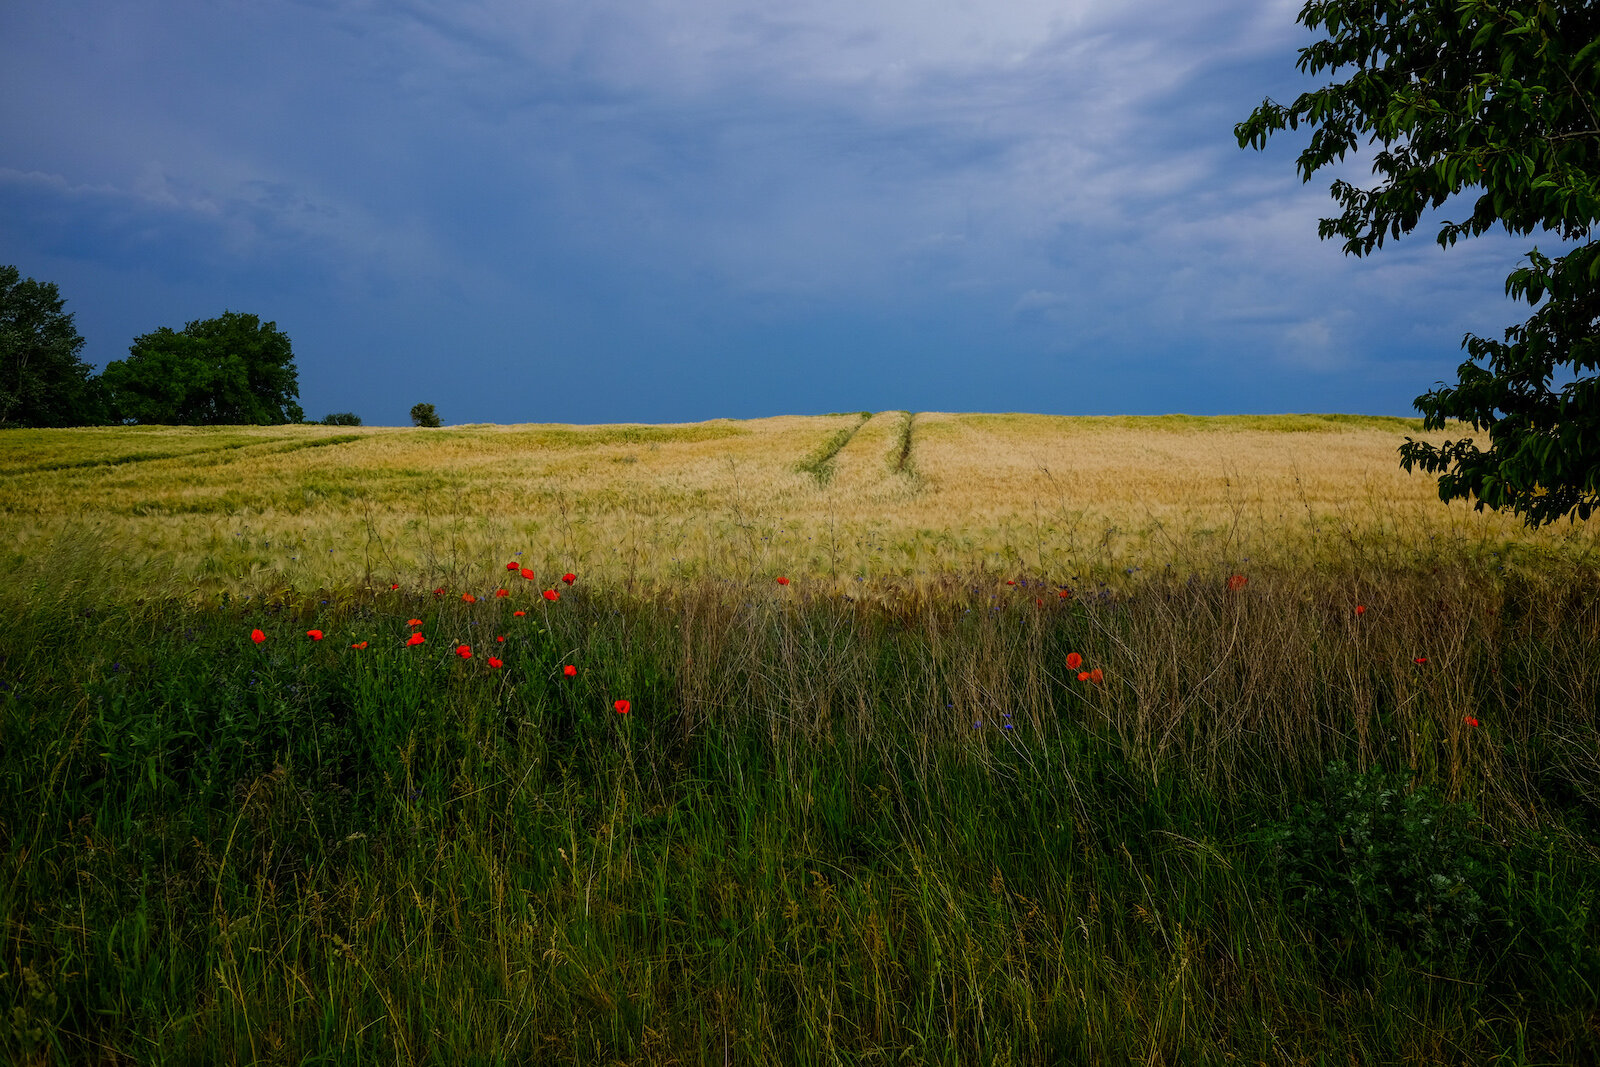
x,y
644,210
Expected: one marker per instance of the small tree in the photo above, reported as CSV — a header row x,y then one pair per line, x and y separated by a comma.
x,y
234,370
42,380
342,418
424,415
1504,97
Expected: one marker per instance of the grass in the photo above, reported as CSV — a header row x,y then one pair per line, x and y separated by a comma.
x,y
861,817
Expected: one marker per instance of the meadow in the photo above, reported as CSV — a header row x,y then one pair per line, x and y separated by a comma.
x,y
839,739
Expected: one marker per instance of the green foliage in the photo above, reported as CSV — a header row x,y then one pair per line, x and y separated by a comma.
x,y
1503,98
795,848
424,415
228,371
342,418
42,380
1369,854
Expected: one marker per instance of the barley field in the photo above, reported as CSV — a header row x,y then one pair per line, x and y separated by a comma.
x,y
869,497
846,739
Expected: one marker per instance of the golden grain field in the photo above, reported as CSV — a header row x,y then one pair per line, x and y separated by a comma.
x,y
175,510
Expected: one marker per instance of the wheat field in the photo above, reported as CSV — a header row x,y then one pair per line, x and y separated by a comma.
x,y
841,498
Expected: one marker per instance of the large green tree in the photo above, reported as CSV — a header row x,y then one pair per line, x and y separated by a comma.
x,y
1501,97
233,370
42,380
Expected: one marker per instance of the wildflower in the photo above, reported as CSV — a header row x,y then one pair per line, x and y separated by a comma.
x,y
570,671
413,622
469,598
501,639
569,578
393,586
257,636
528,574
439,591
513,565
464,651
1065,594
1420,660
1005,726
551,594
1470,720
1074,661
519,613
1083,676
1010,582
496,663
1096,676
622,707
359,644
415,639
783,581
1361,609
315,635
501,592
1236,583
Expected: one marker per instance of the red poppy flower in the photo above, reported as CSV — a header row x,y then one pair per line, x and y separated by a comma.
x,y
469,598
257,636
1470,720
496,663
1420,660
394,586
783,581
622,707
359,644
439,591
1236,583
570,671
501,639
519,613
501,592
526,573
413,622
1083,676
415,639
464,651
1010,581
1066,594
1096,676
569,578
1361,609
513,565
551,594
315,635
1074,661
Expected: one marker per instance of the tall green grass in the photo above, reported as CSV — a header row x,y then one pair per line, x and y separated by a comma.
x,y
890,825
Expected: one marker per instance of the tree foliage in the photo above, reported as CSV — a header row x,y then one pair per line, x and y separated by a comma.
x,y
424,415
342,418
43,382
1502,97
232,370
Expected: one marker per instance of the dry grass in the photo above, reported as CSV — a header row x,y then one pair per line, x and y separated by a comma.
x,y
1073,500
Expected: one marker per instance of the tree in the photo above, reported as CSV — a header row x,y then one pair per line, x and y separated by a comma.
x,y
342,418
424,415
42,380
232,370
1502,96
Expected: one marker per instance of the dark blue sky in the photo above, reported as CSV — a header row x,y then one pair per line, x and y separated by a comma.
x,y
629,210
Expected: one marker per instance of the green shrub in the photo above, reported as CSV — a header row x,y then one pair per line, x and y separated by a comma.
x,y
1368,855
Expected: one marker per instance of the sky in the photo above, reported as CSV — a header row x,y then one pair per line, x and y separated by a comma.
x,y
601,211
